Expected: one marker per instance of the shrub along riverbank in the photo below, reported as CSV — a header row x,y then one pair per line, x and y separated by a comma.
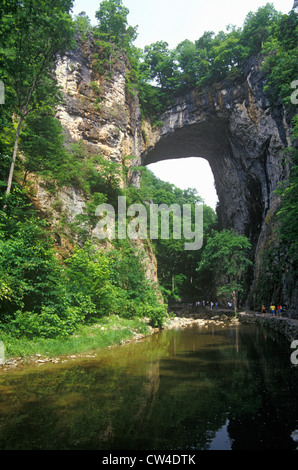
x,y
108,331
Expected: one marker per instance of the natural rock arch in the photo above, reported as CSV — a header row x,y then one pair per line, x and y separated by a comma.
x,y
232,125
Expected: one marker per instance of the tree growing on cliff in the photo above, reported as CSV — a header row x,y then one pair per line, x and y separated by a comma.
x,y
33,33
113,25
83,25
258,27
225,261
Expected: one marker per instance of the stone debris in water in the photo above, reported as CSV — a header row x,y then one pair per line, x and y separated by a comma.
x,y
182,322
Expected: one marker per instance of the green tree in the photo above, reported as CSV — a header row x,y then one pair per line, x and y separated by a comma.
x,y
281,59
225,261
42,142
176,267
187,57
29,268
83,25
227,53
33,33
88,280
204,57
160,61
258,27
113,25
158,78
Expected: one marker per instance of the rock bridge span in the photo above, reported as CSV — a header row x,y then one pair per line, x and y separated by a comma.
x,y
231,125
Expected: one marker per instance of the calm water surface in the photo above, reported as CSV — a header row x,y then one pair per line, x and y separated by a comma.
x,y
199,388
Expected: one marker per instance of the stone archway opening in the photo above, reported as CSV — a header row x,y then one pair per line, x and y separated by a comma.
x,y
232,125
238,183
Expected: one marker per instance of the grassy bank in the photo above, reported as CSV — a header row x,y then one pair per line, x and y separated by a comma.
x,y
107,332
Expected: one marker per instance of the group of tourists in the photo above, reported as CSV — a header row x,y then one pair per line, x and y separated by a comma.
x,y
206,303
212,305
274,310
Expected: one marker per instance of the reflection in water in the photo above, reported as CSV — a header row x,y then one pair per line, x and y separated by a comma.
x,y
198,388
222,439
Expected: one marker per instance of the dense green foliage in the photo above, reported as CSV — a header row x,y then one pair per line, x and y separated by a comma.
x,y
113,26
163,74
42,296
280,53
33,32
224,264
289,205
177,272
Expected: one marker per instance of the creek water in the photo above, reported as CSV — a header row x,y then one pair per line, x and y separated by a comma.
x,y
207,388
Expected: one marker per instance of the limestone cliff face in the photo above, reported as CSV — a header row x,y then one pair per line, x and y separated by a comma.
x,y
230,124
98,111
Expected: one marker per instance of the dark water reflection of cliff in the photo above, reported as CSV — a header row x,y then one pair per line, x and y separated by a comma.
x,y
209,388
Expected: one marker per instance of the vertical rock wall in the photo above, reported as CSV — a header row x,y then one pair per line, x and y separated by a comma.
x,y
98,111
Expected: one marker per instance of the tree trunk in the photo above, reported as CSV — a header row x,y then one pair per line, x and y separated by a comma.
x,y
14,157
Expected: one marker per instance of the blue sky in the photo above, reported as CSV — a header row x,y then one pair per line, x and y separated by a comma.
x,y
173,21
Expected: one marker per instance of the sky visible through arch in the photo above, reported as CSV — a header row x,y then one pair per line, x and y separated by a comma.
x,y
174,21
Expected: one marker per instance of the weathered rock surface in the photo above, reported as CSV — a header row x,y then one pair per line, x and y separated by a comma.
x,y
232,126
97,109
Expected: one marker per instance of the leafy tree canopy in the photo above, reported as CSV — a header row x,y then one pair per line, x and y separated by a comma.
x,y
225,261
113,25
32,34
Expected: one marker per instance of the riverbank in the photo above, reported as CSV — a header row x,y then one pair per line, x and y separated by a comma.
x,y
89,340
288,327
114,331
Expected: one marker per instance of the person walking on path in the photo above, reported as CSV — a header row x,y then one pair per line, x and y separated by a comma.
x,y
263,311
272,309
